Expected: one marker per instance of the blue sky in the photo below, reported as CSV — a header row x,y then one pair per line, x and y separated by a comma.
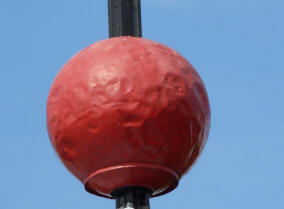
x,y
236,46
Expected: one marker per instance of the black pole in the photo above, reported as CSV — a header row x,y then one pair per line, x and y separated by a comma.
x,y
132,197
124,18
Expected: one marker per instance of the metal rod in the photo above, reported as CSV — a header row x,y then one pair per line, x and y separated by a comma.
x,y
132,197
124,18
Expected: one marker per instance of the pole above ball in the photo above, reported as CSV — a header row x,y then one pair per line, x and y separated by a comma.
x,y
124,18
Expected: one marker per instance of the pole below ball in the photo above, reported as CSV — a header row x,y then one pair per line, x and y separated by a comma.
x,y
132,197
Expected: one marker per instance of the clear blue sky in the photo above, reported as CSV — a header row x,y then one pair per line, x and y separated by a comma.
x,y
237,46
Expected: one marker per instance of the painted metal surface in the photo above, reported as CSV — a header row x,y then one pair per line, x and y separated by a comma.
x,y
128,112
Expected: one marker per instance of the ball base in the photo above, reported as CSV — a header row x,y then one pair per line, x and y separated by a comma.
x,y
159,179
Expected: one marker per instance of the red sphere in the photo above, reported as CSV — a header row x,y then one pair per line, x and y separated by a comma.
x,y
128,112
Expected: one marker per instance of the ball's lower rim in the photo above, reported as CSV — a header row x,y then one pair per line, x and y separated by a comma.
x,y
134,168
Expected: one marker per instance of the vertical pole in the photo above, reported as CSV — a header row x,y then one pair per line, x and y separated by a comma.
x,y
132,197
124,18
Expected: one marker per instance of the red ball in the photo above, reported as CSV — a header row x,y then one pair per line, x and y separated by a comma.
x,y
128,112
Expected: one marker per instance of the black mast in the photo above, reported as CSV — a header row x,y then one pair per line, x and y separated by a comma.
x,y
124,18
132,197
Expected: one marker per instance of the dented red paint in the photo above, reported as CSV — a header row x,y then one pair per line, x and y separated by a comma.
x,y
128,111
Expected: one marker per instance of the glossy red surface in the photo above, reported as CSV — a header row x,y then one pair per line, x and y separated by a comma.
x,y
128,111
